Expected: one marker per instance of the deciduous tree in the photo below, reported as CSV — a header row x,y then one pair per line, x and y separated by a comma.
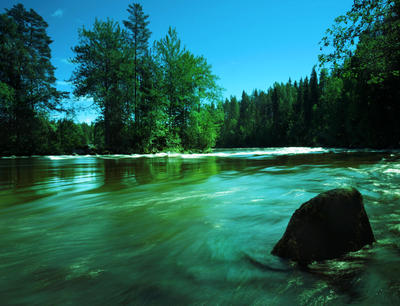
x,y
104,72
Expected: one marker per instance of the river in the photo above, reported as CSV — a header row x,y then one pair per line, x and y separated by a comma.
x,y
179,229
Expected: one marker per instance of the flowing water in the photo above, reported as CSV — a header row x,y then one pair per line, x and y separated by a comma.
x,y
189,229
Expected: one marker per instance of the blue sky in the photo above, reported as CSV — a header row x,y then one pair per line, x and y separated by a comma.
x,y
250,44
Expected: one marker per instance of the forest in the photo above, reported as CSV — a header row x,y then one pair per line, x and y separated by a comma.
x,y
165,98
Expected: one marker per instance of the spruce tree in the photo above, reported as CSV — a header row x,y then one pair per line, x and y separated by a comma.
x,y
137,25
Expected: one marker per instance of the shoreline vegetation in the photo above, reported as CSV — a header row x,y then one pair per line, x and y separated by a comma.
x,y
163,98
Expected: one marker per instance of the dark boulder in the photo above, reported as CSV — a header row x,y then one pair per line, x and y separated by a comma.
x,y
325,227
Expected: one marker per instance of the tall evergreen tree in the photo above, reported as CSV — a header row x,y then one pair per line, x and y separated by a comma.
x,y
275,114
137,25
244,118
27,76
314,105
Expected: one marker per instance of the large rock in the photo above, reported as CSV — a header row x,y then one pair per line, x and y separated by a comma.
x,y
327,226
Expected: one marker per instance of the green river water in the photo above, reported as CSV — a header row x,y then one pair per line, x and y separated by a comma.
x,y
176,229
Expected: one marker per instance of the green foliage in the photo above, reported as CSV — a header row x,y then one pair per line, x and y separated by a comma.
x,y
373,21
185,83
7,100
26,80
70,136
104,72
137,26
366,54
149,101
203,129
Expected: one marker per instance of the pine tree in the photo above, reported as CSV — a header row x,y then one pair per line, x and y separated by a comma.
x,y
275,115
26,72
137,25
315,107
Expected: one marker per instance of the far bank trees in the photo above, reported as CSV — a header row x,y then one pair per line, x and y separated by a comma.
x,y
164,98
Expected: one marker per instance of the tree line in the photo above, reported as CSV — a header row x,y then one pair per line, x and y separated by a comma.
x,y
163,97
354,102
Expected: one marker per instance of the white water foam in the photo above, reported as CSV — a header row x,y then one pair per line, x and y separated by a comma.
x,y
217,153
61,157
258,152
394,171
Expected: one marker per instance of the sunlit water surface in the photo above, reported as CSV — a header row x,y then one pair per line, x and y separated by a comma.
x,y
189,229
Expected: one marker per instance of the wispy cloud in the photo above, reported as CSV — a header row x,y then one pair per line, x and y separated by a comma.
x,y
58,13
